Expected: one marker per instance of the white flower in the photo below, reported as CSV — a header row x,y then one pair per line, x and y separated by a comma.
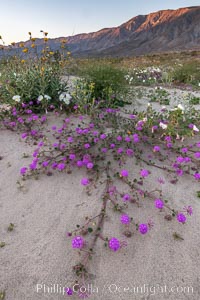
x,y
16,98
162,125
195,128
47,97
66,101
40,98
180,106
65,97
199,84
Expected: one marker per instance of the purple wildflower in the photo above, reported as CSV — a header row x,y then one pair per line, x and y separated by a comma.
x,y
119,138
78,242
125,219
126,197
143,228
23,170
24,135
120,150
144,173
112,190
70,139
33,165
55,145
45,163
168,138
33,132
180,159
187,159
114,244
112,146
87,146
72,156
127,139
103,136
129,152
43,119
95,133
84,181
96,140
79,163
62,146
104,150
61,166
181,218
184,150
54,165
197,154
124,173
169,145
40,144
159,203
136,138
90,165
179,172
68,291
197,176
156,149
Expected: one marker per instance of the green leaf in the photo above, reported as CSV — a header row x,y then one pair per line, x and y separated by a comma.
x,y
177,236
11,227
2,295
198,194
2,244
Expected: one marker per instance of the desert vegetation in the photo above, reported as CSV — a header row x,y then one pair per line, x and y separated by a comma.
x,y
116,148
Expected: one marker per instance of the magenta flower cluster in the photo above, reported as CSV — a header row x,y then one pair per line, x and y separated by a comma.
x,y
78,242
114,244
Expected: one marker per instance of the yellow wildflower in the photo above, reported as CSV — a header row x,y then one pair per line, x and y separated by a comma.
x,y
25,50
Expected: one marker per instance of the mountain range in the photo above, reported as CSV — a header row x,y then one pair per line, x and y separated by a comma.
x,y
162,31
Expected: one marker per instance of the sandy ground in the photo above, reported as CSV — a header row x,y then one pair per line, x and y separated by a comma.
x,y
37,254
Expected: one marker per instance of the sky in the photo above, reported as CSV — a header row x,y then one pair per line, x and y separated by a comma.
x,y
61,18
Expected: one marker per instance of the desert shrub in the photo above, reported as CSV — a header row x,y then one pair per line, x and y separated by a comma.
x,y
187,73
32,76
30,82
108,83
